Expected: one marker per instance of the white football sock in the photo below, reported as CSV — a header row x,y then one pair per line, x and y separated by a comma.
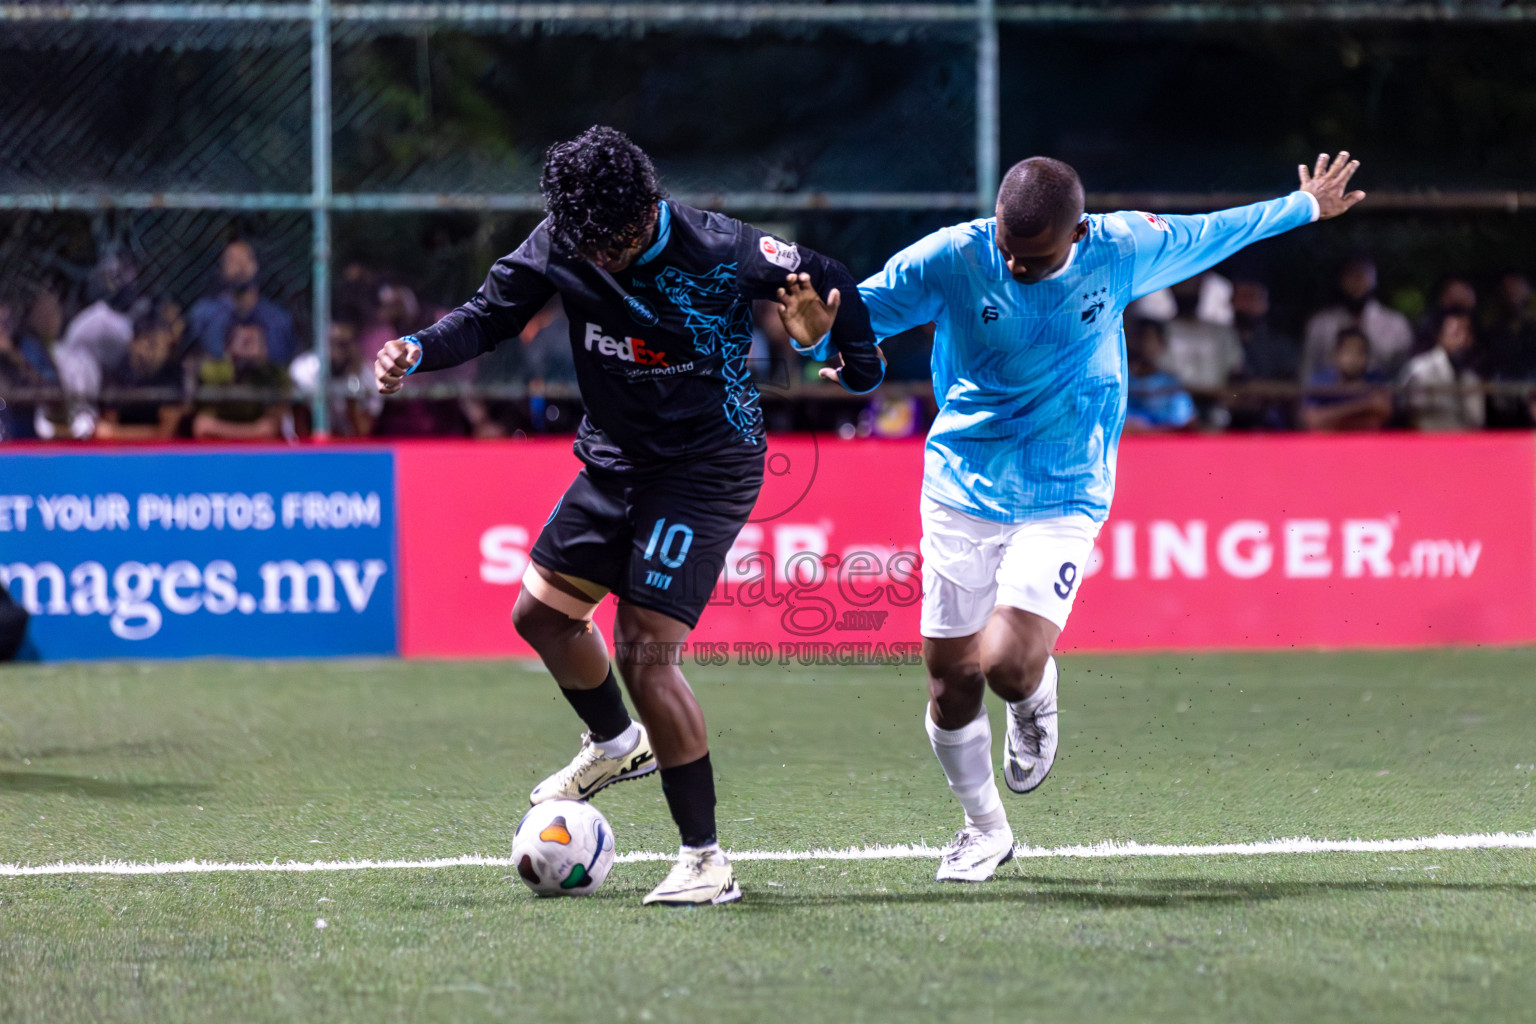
x,y
966,756
1042,692
621,744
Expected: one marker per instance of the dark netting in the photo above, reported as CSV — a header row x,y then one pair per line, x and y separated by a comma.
x,y
453,110
1233,108
147,107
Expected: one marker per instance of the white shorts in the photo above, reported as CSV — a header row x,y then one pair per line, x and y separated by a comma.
x,y
971,565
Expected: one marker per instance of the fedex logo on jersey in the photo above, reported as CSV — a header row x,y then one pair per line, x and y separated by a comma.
x,y
628,350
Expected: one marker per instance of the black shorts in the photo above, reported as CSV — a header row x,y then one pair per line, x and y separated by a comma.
x,y
657,538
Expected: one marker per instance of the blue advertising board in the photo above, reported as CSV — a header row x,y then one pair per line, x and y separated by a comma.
x,y
236,552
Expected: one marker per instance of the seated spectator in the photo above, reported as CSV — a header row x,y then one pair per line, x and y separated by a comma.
x,y
34,338
396,313
239,300
1440,391
1348,395
15,370
93,347
1388,331
355,400
1453,294
1156,402
151,363
1509,352
1268,355
245,364
1203,355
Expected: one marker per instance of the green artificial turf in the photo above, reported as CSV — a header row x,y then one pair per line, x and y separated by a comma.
x,y
384,759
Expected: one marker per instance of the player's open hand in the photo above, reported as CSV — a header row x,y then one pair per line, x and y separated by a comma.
x,y
1327,182
395,360
805,316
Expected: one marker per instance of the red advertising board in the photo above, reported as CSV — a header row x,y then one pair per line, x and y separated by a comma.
x,y
1257,542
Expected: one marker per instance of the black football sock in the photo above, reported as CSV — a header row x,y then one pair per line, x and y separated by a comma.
x,y
602,708
690,792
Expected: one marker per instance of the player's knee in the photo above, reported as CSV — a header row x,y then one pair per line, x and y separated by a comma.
x,y
1013,674
955,695
539,624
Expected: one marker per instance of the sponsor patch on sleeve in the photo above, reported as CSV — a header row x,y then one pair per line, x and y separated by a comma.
x,y
1153,219
778,252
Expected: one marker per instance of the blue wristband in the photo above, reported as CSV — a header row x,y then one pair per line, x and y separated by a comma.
x,y
819,352
417,342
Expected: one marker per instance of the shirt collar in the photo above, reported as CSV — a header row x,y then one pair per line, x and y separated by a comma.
x,y
1071,258
663,233
1053,275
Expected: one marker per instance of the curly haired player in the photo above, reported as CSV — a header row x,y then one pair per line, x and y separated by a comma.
x,y
659,298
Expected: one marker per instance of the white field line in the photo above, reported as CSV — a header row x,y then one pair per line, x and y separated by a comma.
x,y
1479,841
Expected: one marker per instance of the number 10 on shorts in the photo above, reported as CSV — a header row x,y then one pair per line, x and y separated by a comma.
x,y
673,542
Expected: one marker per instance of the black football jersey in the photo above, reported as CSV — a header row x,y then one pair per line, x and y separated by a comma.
x,y
661,347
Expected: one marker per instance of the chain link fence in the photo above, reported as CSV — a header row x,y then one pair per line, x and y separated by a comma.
x,y
368,146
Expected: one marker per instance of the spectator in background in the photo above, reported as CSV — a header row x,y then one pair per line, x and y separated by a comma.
x,y
1453,294
1388,331
93,347
1348,395
1155,402
353,410
15,370
239,300
1269,355
396,313
1440,391
151,363
1201,354
33,337
1509,352
247,364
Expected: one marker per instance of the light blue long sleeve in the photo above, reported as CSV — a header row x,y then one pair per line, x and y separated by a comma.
x,y
1031,378
1175,248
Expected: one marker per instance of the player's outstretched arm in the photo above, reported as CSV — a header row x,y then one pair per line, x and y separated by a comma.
x,y
1327,181
1174,248
395,360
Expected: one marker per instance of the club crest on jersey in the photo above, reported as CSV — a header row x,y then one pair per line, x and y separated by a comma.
x,y
1096,301
779,253
640,311
629,350
1153,219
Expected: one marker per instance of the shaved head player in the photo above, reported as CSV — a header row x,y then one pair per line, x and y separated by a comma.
x,y
1029,370
659,298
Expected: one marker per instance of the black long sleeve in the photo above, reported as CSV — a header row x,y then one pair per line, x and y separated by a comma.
x,y
516,288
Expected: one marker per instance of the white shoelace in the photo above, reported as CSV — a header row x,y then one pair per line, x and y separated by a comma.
x,y
585,759
1030,731
964,840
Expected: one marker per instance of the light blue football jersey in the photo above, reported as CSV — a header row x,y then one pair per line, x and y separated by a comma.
x,y
1031,378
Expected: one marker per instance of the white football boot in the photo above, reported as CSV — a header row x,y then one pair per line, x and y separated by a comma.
x,y
1030,748
975,855
701,876
591,771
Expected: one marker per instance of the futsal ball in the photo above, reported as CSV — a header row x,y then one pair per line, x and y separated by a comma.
x,y
563,848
